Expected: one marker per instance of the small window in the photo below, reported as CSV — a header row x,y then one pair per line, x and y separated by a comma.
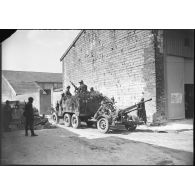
x,y
187,42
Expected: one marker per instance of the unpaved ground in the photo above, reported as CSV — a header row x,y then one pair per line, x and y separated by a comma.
x,y
180,139
62,147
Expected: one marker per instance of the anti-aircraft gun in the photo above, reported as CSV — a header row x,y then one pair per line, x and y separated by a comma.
x,y
107,115
75,87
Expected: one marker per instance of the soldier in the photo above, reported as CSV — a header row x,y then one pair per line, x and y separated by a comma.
x,y
7,116
29,115
57,106
67,92
141,112
82,87
62,98
91,90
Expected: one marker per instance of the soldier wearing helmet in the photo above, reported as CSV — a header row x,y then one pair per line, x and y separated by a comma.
x,y
82,88
29,115
67,92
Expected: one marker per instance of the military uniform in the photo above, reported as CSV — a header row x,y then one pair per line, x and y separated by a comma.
x,y
29,115
82,87
67,92
141,112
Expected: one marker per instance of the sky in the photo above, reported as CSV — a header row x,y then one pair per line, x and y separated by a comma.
x,y
36,50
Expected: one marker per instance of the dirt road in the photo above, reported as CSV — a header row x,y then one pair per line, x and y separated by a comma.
x,y
62,147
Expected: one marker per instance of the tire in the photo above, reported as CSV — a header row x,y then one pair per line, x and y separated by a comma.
x,y
89,123
67,120
55,118
75,121
103,125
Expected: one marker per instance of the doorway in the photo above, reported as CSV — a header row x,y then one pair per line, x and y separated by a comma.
x,y
175,87
45,101
189,101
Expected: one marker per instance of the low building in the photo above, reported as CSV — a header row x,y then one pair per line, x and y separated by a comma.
x,y
19,85
130,64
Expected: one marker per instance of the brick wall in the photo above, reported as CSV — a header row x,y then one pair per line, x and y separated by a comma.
x,y
119,63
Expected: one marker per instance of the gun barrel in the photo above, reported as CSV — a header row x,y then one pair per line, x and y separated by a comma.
x,y
74,85
129,109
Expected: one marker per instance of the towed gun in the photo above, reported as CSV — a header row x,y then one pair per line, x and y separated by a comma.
x,y
133,108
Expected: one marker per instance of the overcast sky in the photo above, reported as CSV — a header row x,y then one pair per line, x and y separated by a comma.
x,y
36,50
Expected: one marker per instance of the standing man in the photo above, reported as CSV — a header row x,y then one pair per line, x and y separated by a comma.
x,y
29,115
7,116
141,112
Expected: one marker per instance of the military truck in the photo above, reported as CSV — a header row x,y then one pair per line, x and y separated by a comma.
x,y
78,108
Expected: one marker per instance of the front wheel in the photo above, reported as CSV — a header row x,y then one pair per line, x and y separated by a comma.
x,y
55,118
103,125
76,122
67,120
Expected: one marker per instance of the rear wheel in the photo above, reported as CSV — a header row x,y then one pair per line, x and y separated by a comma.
x,y
103,125
55,118
76,122
67,120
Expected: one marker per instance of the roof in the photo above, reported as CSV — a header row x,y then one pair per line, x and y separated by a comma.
x,y
27,82
24,87
71,45
23,76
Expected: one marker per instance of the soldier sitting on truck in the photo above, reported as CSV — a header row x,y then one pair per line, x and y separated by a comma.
x,y
92,90
67,92
82,88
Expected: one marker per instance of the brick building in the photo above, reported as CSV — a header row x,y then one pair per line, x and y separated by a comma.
x,y
129,64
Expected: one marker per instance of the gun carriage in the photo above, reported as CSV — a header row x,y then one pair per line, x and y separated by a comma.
x,y
108,116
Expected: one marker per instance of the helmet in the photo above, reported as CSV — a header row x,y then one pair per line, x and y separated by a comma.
x,y
30,99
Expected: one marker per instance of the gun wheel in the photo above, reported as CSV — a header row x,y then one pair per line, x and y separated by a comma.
x,y
103,125
76,122
67,120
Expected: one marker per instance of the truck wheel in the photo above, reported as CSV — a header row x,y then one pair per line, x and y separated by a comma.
x,y
76,122
67,120
55,118
103,125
